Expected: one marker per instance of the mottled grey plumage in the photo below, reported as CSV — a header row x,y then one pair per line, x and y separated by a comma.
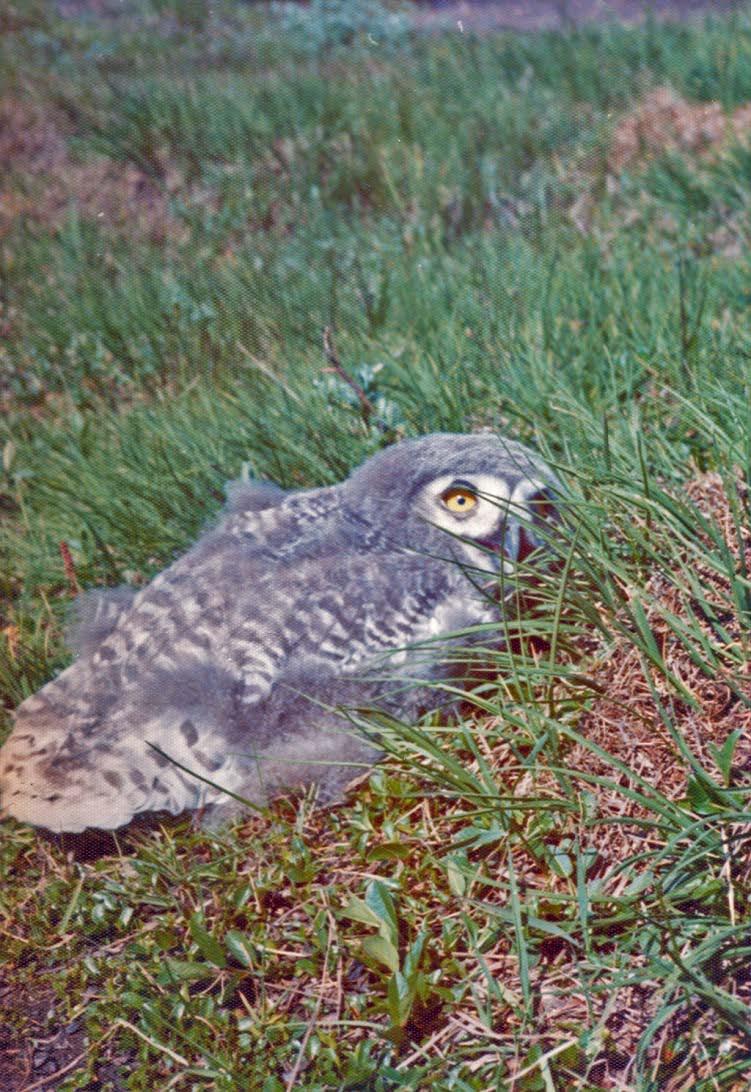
x,y
233,663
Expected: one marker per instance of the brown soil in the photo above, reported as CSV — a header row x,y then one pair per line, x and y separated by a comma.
x,y
662,122
35,1044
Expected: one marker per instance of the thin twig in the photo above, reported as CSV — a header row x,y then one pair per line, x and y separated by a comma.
x,y
292,1080
366,406
178,1058
727,871
542,1060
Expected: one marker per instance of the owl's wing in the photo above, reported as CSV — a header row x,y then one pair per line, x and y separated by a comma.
x,y
372,616
96,612
107,738
185,683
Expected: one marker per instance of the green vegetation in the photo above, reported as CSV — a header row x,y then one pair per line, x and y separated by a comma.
x,y
554,893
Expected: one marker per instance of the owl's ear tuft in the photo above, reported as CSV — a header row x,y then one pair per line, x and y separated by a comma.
x,y
251,496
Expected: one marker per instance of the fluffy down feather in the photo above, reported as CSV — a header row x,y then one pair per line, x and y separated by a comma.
x,y
230,672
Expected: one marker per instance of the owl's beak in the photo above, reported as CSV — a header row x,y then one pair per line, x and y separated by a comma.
x,y
512,542
514,538
519,542
519,538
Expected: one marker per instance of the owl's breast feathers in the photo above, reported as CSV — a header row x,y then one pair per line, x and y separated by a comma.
x,y
181,682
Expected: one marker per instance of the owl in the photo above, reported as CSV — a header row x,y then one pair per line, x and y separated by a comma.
x,y
230,676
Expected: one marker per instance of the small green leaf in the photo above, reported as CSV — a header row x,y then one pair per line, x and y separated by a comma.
x,y
475,837
183,971
378,898
455,875
561,863
208,946
357,910
382,951
698,797
399,999
390,851
414,955
242,896
723,756
240,946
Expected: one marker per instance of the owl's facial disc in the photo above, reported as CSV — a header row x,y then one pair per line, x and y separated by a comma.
x,y
489,511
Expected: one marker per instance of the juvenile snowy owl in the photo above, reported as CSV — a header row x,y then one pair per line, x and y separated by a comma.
x,y
230,671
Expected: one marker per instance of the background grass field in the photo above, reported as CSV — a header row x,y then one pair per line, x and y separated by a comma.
x,y
546,234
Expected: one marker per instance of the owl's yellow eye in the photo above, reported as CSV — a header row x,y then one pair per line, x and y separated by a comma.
x,y
458,499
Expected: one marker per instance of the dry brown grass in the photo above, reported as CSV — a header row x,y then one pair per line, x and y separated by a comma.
x,y
626,720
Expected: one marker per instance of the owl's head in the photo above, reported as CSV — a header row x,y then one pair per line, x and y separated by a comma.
x,y
485,491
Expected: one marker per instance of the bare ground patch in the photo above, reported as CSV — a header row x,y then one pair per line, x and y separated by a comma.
x,y
45,181
701,136
489,15
664,122
35,1045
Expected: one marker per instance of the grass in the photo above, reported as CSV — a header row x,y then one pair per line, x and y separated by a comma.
x,y
553,893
